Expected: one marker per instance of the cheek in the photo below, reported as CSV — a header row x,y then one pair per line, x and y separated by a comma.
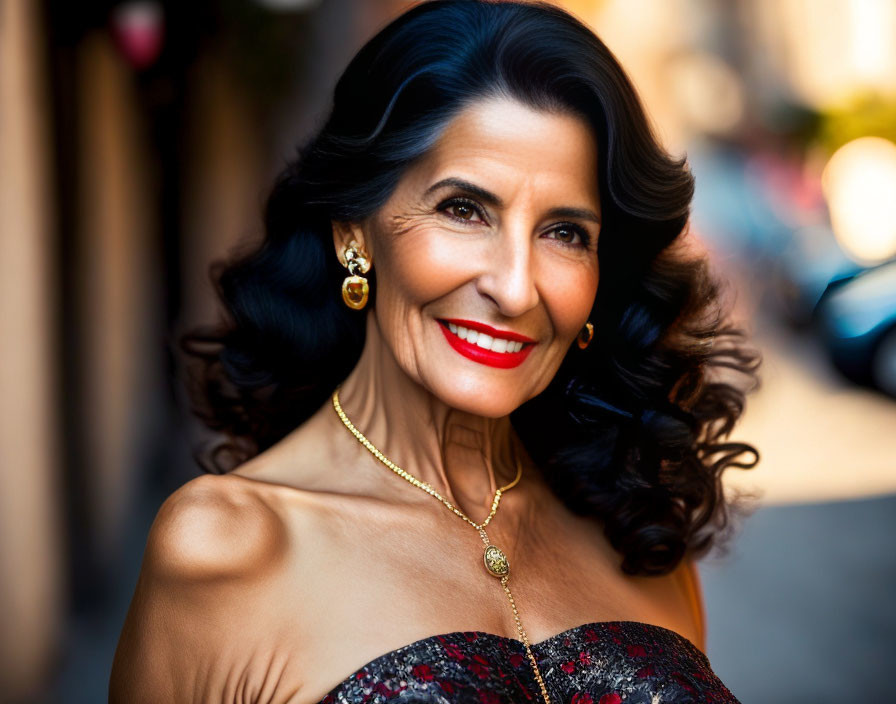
x,y
414,268
419,266
568,294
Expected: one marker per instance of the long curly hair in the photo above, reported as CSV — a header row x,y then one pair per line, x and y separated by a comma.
x,y
631,430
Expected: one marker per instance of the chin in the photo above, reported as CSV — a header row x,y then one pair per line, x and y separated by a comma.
x,y
480,398
486,410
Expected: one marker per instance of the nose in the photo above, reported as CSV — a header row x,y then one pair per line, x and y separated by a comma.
x,y
508,276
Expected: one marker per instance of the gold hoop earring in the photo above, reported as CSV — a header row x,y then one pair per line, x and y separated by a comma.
x,y
354,287
585,336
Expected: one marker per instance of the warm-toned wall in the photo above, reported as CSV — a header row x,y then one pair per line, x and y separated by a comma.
x,y
30,566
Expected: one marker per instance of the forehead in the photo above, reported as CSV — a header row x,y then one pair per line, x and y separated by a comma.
x,y
505,142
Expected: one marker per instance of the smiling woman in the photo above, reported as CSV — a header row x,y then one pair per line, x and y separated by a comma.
x,y
472,233
466,386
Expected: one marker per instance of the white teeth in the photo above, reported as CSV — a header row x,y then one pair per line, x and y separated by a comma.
x,y
483,340
495,344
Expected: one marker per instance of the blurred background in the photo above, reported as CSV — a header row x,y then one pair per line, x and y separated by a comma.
x,y
137,142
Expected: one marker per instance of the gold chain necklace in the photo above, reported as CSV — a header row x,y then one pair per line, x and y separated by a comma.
x,y
495,560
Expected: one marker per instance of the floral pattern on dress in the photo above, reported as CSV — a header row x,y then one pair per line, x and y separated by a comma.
x,y
612,662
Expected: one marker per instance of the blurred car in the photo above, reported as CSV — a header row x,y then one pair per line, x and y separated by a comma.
x,y
760,213
856,318
849,306
800,271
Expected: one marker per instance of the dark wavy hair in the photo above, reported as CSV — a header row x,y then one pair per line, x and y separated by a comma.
x,y
631,429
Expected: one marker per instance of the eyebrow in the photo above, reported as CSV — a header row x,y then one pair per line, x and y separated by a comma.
x,y
492,199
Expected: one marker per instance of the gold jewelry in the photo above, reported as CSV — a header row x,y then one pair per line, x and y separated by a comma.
x,y
354,287
585,336
495,560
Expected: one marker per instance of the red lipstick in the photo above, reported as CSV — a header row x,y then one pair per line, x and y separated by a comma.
x,y
489,330
501,360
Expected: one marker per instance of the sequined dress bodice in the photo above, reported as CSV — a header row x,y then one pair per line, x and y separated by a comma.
x,y
608,662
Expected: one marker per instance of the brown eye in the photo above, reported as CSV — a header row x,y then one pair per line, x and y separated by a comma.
x,y
461,209
464,212
570,236
565,235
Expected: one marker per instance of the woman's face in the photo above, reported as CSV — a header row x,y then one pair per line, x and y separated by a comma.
x,y
492,236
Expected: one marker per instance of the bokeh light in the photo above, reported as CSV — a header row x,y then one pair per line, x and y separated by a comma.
x,y
859,183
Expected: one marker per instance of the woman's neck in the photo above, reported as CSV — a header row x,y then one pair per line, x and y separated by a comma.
x,y
463,456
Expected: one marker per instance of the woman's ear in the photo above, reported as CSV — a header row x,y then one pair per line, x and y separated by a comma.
x,y
349,234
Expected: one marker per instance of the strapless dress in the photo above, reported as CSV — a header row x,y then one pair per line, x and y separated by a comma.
x,y
607,662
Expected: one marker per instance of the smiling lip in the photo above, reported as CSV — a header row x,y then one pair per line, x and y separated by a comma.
x,y
501,360
489,330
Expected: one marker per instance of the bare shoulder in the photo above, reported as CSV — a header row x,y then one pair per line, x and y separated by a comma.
x,y
215,526
203,623
691,613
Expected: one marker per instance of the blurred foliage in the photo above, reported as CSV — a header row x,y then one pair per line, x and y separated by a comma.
x,y
796,123
865,115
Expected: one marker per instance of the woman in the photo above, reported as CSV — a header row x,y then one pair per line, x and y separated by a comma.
x,y
466,379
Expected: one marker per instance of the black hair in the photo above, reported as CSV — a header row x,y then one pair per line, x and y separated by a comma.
x,y
630,430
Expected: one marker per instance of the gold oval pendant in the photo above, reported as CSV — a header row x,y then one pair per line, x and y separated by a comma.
x,y
354,291
496,561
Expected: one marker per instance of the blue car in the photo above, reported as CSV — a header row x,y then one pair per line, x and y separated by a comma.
x,y
856,317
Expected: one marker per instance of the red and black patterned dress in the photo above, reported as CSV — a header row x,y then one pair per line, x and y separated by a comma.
x,y
607,662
